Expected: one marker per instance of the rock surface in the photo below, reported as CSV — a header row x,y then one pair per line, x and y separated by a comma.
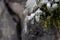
x,y
7,25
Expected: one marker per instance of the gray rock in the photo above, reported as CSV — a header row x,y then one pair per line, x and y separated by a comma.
x,y
1,9
7,25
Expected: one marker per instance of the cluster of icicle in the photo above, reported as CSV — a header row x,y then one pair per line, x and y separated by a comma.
x,y
31,5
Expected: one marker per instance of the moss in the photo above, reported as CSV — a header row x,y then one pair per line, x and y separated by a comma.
x,y
48,19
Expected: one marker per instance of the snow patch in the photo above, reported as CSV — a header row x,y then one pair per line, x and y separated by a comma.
x,y
31,5
48,5
31,16
54,6
32,21
38,11
37,18
56,0
44,1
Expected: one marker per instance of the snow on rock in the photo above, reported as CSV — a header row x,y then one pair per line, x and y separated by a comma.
x,y
37,14
56,0
25,12
38,11
27,18
25,26
44,1
37,18
48,5
31,5
54,5
31,16
40,5
32,21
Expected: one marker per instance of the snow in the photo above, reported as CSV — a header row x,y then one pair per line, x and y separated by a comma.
x,y
54,5
37,18
56,0
38,11
44,1
25,27
32,21
31,16
25,12
48,5
27,18
31,5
